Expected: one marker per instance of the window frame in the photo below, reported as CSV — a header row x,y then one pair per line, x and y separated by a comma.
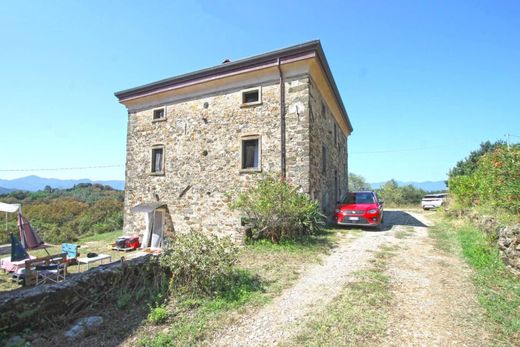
x,y
249,90
152,160
163,118
249,137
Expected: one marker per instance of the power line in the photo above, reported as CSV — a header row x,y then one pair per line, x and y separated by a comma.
x,y
63,168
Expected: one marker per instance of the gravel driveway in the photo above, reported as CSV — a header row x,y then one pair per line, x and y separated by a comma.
x,y
433,300
319,285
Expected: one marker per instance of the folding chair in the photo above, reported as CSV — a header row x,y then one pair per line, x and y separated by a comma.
x,y
71,250
50,273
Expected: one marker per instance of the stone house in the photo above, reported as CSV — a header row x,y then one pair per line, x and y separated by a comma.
x,y
195,138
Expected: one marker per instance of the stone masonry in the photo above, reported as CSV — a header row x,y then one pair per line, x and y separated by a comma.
x,y
201,137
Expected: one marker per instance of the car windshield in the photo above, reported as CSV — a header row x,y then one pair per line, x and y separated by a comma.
x,y
359,198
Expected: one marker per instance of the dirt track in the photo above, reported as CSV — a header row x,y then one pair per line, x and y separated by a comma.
x,y
433,301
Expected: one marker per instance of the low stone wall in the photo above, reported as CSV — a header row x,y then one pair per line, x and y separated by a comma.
x,y
507,236
36,306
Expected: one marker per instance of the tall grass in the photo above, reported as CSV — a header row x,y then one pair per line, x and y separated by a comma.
x,y
498,289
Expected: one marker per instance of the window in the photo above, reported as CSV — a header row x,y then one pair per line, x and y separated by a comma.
x,y
157,160
323,109
252,96
323,159
158,114
250,147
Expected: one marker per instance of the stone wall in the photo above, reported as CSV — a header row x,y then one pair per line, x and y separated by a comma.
x,y
507,236
36,306
202,139
330,183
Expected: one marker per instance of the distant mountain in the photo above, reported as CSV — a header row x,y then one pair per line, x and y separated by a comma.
x,y
428,186
5,190
34,183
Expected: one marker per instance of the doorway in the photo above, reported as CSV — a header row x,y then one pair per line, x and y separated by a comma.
x,y
157,229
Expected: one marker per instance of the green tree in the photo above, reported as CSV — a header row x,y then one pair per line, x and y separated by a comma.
x,y
469,164
357,183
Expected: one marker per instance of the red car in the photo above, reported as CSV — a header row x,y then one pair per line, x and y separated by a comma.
x,y
360,208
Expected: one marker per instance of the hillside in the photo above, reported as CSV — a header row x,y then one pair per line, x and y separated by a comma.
x,y
35,183
5,190
65,214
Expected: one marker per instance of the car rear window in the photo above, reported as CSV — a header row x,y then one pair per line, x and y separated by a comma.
x,y
359,198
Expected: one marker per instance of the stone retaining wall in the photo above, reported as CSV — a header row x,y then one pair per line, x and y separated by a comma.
x,y
507,236
36,306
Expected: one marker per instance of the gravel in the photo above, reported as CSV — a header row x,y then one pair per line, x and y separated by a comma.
x,y
319,285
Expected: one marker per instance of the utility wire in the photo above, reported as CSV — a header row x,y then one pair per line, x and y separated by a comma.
x,y
63,168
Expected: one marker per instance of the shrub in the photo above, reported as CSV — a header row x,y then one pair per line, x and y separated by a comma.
x,y
198,262
494,183
464,189
275,210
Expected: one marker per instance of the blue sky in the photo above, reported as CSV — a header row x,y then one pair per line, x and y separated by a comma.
x,y
424,82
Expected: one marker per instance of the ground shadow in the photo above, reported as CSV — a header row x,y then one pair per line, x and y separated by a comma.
x,y
401,218
391,219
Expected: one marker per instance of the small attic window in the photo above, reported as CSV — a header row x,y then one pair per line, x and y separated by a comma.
x,y
158,114
252,96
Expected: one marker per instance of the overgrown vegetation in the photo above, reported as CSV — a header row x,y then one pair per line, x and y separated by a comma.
x,y
61,215
275,210
498,290
358,316
263,269
489,178
200,264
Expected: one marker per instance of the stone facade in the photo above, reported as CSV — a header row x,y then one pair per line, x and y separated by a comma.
x,y
201,136
328,154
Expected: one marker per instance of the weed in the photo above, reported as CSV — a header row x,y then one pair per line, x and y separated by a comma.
x,y
158,315
123,300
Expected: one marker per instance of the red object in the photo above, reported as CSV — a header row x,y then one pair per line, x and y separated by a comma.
x,y
360,208
128,242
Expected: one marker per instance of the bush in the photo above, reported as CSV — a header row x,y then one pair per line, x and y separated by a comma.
x,y
494,183
275,210
198,262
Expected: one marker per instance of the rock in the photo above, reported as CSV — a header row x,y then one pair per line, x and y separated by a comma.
x,y
16,341
82,326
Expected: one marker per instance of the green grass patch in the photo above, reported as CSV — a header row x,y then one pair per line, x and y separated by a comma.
x,y
498,290
358,316
108,237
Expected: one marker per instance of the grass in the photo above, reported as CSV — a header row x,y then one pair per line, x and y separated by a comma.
x,y
99,243
498,290
358,316
265,269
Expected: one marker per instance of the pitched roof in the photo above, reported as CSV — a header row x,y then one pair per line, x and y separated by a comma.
x,y
243,64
